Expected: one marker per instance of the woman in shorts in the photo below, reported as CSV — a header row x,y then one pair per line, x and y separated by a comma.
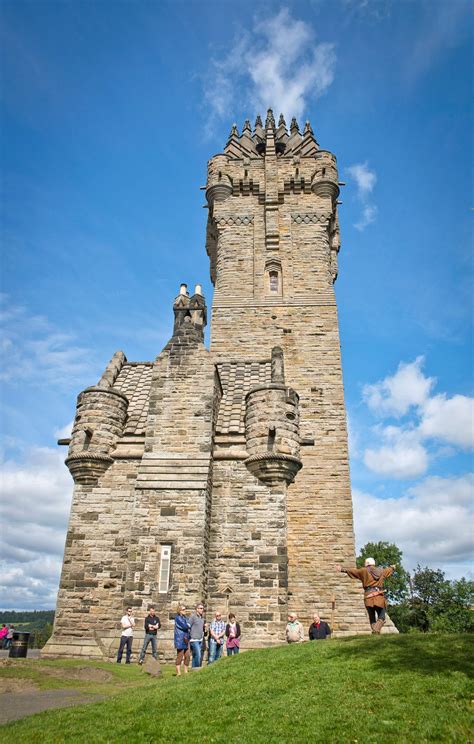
x,y
181,640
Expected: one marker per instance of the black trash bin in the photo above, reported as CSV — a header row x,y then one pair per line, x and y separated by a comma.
x,y
19,647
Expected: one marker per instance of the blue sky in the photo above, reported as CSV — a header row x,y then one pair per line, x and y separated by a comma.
x,y
110,111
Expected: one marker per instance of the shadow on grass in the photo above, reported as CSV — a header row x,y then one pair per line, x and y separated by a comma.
x,y
425,654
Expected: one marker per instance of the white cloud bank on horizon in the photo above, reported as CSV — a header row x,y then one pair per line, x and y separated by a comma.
x,y
35,504
278,64
431,524
403,452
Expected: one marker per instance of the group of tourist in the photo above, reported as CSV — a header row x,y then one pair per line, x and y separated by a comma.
x,y
192,635
6,635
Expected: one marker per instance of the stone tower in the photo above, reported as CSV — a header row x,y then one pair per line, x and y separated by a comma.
x,y
222,475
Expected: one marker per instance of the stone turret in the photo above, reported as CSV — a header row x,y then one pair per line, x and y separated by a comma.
x,y
272,428
100,419
325,178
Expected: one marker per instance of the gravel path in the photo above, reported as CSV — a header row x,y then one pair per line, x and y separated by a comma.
x,y
16,705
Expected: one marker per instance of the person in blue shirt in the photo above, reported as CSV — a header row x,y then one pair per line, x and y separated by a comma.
x,y
181,640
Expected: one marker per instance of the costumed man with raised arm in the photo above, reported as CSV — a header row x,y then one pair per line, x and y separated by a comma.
x,y
372,578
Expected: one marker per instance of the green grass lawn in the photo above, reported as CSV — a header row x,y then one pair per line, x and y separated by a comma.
x,y
409,688
81,675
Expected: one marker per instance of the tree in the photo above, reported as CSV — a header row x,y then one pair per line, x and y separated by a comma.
x,y
387,554
442,606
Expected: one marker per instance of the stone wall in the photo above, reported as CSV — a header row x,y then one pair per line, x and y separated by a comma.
x,y
201,450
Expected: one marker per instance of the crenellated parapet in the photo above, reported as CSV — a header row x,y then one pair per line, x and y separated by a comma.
x,y
275,175
272,428
100,419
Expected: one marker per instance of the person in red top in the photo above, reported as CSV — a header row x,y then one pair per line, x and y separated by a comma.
x,y
372,578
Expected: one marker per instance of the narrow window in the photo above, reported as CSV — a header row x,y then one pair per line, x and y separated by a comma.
x,y
165,563
273,281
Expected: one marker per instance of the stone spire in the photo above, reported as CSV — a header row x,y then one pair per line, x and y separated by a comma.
x,y
309,146
295,139
233,143
281,136
270,120
247,142
259,135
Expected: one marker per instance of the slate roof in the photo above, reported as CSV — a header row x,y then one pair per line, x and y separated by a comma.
x,y
134,381
237,378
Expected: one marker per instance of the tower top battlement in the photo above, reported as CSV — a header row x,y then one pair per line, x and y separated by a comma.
x,y
254,143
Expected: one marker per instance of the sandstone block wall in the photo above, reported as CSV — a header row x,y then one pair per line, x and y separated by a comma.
x,y
202,450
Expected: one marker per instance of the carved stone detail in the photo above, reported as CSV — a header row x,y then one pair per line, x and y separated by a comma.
x,y
310,219
245,219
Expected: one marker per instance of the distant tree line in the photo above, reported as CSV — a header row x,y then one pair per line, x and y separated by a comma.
x,y
425,600
37,622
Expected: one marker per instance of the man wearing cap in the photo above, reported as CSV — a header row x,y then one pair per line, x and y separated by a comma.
x,y
372,578
294,632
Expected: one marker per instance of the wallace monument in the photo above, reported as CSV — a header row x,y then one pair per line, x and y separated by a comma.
x,y
222,475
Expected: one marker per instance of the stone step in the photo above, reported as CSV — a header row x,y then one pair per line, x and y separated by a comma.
x,y
182,485
169,468
173,456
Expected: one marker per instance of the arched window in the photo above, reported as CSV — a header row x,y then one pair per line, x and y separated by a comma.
x,y
273,278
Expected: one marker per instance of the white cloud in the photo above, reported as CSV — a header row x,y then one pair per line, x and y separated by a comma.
x,y
369,215
394,395
431,419
33,349
409,391
449,419
365,180
277,64
431,524
364,177
403,455
35,504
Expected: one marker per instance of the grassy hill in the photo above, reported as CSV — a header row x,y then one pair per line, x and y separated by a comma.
x,y
410,688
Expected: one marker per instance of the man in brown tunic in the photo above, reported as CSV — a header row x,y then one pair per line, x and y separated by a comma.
x,y
372,578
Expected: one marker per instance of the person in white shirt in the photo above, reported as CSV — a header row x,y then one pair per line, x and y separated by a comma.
x,y
126,639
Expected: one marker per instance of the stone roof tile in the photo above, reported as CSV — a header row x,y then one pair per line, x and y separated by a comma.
x,y
237,378
134,381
